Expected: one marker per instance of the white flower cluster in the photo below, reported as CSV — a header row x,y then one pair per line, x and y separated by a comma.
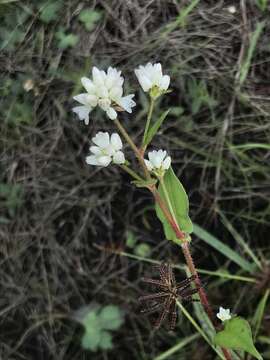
x,y
104,90
107,149
224,314
158,161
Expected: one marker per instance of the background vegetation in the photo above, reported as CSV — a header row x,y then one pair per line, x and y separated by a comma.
x,y
76,239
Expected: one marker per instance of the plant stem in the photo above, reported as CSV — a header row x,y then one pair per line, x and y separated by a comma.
x,y
179,234
134,147
148,121
189,261
131,172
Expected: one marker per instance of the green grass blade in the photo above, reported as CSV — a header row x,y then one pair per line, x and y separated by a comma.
x,y
222,248
239,239
258,316
166,354
217,273
181,19
199,329
251,146
253,42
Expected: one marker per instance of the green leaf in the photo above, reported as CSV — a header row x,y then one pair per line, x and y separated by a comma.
x,y
66,40
262,4
106,341
131,240
89,18
143,250
50,11
222,248
110,318
179,203
237,335
91,320
91,339
154,129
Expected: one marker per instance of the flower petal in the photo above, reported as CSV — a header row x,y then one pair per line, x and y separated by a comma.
x,y
167,163
112,114
83,113
102,139
148,165
119,157
116,141
104,160
127,103
82,99
88,85
98,76
96,150
91,160
165,82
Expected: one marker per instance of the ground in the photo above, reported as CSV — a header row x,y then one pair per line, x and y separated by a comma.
x,y
67,229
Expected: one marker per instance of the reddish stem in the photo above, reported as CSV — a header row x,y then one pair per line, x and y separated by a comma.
x,y
189,260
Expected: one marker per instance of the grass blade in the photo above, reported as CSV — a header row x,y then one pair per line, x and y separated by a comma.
x,y
253,42
239,239
222,248
166,354
258,316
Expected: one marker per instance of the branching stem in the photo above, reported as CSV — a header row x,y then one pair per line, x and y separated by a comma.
x,y
170,216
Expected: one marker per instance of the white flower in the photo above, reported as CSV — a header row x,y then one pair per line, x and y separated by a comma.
x,y
232,9
104,90
158,161
224,314
150,76
107,149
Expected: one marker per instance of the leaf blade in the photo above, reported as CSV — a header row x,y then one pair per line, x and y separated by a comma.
x,y
155,127
237,335
179,202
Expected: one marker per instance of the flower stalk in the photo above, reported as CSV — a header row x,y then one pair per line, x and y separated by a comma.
x,y
148,121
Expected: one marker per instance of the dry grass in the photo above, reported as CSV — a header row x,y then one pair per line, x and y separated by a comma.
x,y
50,265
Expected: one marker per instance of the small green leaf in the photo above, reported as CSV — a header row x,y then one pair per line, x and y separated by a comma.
x,y
66,40
91,339
180,205
154,129
91,320
50,11
89,18
110,318
143,250
106,341
131,240
237,336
